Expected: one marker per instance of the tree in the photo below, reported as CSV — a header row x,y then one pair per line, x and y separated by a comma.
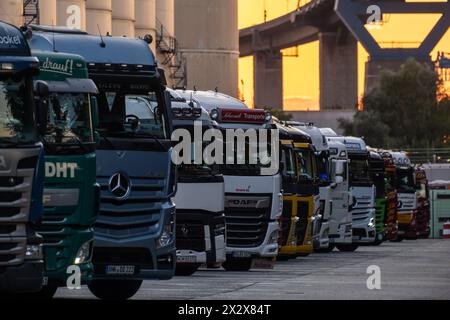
x,y
409,109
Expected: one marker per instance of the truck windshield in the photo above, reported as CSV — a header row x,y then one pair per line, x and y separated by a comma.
x,y
69,119
306,161
359,172
405,181
16,111
132,116
323,166
378,180
288,157
246,169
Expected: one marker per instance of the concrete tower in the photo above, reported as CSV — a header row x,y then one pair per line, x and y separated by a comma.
x,y
208,35
47,12
123,18
99,15
11,11
71,13
145,13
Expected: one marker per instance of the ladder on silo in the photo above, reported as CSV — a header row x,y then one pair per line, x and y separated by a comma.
x,y
174,59
30,12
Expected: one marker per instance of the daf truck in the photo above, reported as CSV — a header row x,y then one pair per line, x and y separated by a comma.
x,y
362,192
135,229
407,200
200,234
71,194
253,200
21,166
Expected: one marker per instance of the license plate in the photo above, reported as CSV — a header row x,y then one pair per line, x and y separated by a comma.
x,y
186,259
241,254
263,264
121,270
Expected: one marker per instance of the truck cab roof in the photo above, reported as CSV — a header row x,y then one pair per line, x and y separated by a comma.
x,y
92,47
354,145
317,137
212,99
15,53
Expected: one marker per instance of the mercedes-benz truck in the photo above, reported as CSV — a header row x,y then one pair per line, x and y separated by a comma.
x,y
200,235
253,198
71,194
135,229
21,166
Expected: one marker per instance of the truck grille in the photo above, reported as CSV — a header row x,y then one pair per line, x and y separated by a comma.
x,y
247,219
380,210
136,215
15,201
190,234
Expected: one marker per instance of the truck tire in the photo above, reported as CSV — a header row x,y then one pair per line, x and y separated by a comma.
x,y
186,269
233,264
347,247
114,289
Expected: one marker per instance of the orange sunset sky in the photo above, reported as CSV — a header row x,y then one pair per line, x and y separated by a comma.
x,y
301,73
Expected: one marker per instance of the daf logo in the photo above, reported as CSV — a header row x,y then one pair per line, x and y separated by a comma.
x,y
185,230
2,162
120,186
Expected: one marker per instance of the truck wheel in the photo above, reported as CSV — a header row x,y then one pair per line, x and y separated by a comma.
x,y
233,264
186,269
115,289
283,258
347,247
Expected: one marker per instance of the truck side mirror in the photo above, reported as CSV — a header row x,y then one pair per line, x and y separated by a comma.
x,y
94,110
41,89
168,110
42,115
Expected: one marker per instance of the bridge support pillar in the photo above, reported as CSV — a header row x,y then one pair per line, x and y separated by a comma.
x,y
338,71
268,83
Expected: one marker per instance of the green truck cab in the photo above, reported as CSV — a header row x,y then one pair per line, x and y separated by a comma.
x,y
71,195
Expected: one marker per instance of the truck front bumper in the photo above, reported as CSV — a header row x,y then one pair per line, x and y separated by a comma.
x,y
26,278
268,249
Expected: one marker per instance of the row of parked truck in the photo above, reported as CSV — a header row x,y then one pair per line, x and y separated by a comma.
x,y
88,188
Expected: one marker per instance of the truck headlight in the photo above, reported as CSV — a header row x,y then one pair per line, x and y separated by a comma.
x,y
83,253
371,223
274,237
34,252
166,236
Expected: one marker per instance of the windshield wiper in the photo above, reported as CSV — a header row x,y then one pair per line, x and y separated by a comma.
x,y
105,138
145,135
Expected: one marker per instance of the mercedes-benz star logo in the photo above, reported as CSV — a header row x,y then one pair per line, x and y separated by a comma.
x,y
120,186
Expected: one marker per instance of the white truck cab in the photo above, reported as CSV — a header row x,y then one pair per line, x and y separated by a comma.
x,y
253,202
362,191
200,227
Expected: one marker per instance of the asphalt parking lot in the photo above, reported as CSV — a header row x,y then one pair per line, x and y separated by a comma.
x,y
408,270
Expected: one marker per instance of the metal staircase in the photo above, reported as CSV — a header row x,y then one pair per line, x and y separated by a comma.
x,y
30,12
167,45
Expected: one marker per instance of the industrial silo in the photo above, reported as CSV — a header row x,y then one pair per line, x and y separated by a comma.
x,y
208,35
71,13
123,18
99,16
47,12
11,11
145,12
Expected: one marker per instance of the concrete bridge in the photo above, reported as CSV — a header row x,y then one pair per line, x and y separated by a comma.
x,y
338,25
